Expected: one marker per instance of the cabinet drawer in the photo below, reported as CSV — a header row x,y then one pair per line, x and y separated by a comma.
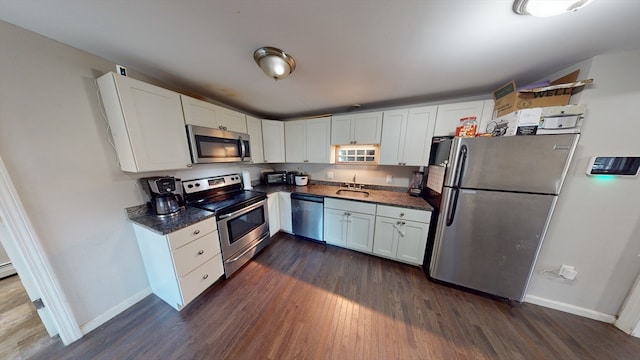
x,y
190,233
195,253
404,213
347,205
201,278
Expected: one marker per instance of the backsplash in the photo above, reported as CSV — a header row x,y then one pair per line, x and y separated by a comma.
x,y
400,176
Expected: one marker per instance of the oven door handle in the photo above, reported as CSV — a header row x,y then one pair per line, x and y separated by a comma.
x,y
249,249
243,210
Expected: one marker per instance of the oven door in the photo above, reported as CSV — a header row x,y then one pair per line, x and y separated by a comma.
x,y
213,146
243,233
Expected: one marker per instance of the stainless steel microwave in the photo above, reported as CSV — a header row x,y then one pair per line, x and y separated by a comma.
x,y
209,145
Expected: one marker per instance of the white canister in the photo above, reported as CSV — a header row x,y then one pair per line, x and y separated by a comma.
x,y
302,180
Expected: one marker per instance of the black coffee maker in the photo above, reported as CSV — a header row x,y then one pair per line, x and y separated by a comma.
x,y
165,193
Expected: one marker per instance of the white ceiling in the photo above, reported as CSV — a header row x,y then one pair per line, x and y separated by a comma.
x,y
370,52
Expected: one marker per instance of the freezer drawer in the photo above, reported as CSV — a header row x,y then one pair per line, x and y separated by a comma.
x,y
490,240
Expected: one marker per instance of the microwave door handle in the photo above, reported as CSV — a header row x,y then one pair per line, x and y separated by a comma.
x,y
243,149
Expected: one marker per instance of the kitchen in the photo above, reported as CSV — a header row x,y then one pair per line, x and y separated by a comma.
x,y
96,179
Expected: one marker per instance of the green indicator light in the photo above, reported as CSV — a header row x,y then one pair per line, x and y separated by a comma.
x,y
604,178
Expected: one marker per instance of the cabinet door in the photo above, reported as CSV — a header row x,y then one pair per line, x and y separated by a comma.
x,y
254,129
449,116
367,128
385,240
284,199
318,140
412,242
294,135
232,120
335,227
341,129
199,113
360,232
274,213
273,141
392,144
146,123
417,135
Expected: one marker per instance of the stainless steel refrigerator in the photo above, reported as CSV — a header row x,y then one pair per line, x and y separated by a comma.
x,y
497,198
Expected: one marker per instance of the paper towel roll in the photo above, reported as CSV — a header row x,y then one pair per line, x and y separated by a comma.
x,y
246,180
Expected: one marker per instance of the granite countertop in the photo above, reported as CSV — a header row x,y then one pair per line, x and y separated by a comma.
x,y
144,216
376,196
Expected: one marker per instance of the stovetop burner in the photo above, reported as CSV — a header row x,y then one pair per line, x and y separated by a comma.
x,y
222,194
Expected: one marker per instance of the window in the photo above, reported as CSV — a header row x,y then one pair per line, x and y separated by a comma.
x,y
357,154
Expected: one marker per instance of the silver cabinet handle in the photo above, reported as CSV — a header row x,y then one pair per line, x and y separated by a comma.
x,y
196,232
200,252
205,276
189,165
401,214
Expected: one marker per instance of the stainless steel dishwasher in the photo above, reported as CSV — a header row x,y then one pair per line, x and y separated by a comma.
x,y
307,215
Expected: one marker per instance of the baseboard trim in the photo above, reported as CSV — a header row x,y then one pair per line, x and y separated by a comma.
x,y
111,313
7,270
568,308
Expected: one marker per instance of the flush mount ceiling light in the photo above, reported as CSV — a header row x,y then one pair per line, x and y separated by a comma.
x,y
545,8
274,62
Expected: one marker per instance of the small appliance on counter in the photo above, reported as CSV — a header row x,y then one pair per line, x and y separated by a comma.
x,y
291,177
274,177
416,184
165,194
301,180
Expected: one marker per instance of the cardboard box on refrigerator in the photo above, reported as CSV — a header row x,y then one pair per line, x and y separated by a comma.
x,y
508,99
539,121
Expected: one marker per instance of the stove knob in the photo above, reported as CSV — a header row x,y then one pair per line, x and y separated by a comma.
x,y
197,184
190,186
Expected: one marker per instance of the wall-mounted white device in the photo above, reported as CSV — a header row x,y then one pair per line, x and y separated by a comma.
x,y
614,165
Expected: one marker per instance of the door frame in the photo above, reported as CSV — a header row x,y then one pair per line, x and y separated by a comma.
x,y
629,316
29,259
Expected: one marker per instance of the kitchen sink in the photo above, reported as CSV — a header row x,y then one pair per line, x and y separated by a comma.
x,y
353,193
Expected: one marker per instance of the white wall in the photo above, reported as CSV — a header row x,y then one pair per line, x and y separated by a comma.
x,y
53,141
596,224
401,176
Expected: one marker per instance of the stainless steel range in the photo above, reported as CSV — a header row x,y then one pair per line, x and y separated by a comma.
x,y
243,220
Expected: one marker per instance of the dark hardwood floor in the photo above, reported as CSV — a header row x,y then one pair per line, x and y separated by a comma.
x,y
303,300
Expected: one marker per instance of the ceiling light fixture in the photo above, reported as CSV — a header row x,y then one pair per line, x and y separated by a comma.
x,y
274,62
545,8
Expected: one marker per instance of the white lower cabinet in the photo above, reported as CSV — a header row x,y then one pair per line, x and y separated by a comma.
x,y
284,205
182,264
349,224
274,213
401,234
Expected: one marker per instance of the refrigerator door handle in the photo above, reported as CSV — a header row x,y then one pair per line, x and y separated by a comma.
x,y
451,206
462,156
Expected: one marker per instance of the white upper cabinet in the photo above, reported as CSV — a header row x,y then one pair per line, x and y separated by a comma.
x,y
254,129
146,123
202,113
365,128
273,141
308,141
449,116
406,136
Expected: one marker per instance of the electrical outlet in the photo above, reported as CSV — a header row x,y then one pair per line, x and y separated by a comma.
x,y
329,175
389,179
568,272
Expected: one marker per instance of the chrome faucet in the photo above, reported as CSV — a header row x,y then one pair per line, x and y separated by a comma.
x,y
354,180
